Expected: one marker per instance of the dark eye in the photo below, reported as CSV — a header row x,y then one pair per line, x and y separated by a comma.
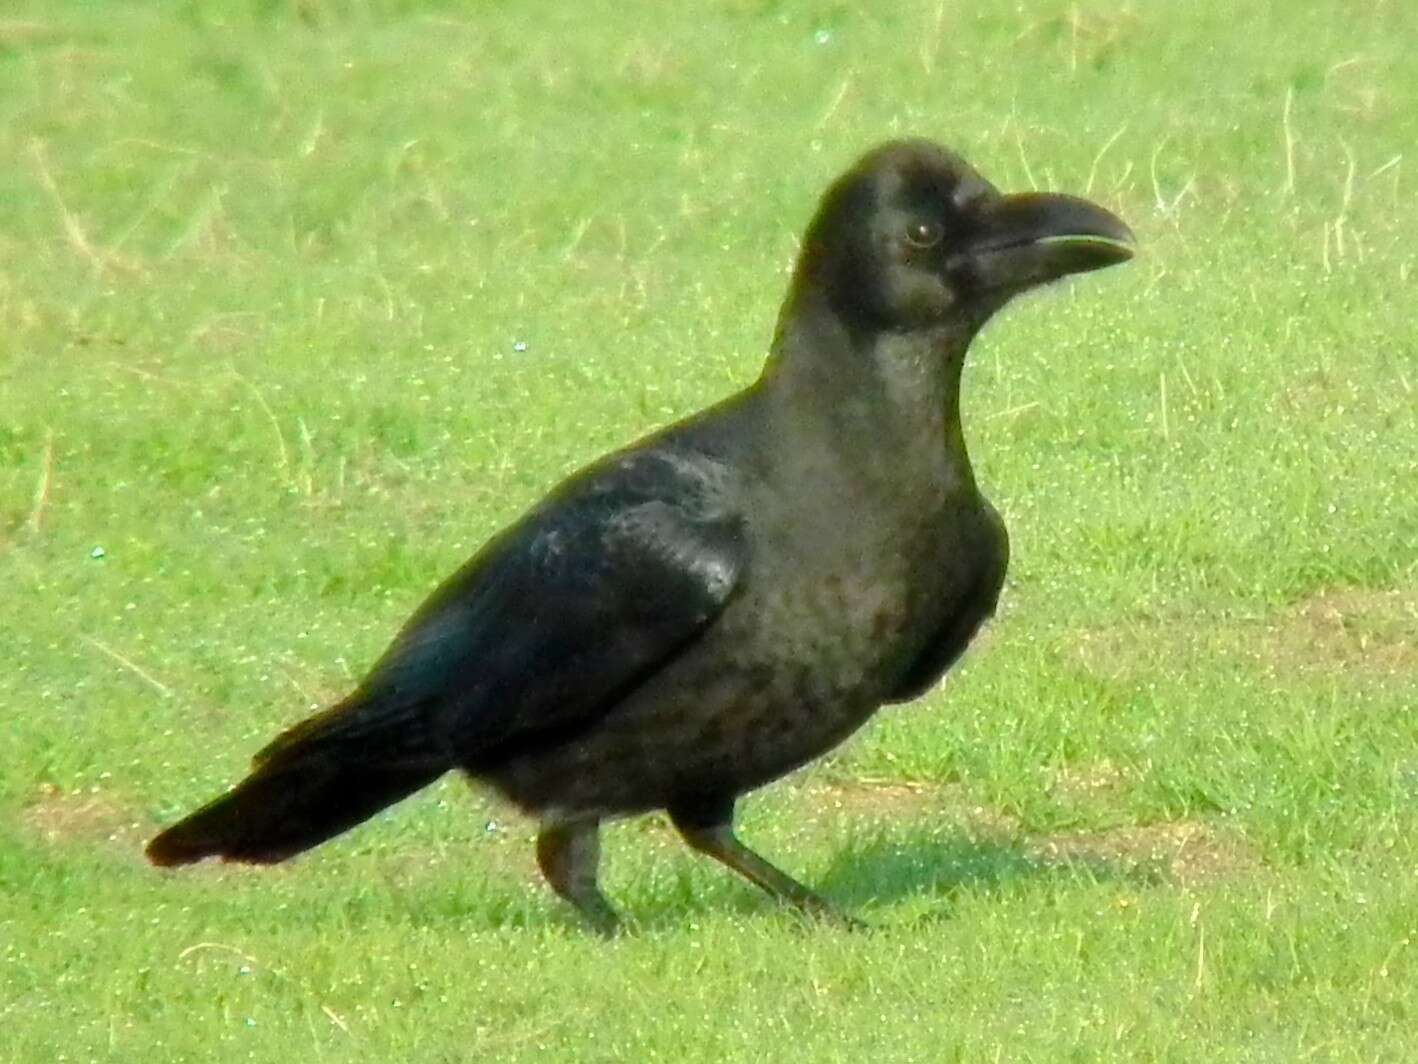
x,y
924,234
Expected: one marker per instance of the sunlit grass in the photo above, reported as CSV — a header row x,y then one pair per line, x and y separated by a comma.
x,y
300,301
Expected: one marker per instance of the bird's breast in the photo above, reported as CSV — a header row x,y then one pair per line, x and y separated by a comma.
x,y
827,620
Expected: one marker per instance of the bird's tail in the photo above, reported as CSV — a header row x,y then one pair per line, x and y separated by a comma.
x,y
322,777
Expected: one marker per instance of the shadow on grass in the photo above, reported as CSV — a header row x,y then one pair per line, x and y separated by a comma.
x,y
867,873
871,872
886,870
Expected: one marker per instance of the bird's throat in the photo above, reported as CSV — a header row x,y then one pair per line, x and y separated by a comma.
x,y
887,400
919,374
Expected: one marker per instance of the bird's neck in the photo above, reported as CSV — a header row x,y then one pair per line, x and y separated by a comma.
x,y
886,400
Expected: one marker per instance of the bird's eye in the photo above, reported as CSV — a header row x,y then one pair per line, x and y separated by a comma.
x,y
924,234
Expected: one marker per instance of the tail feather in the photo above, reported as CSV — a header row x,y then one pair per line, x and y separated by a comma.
x,y
314,782
373,727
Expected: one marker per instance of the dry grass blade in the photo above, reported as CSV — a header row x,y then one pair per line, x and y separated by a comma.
x,y
73,229
41,490
255,962
132,666
1289,134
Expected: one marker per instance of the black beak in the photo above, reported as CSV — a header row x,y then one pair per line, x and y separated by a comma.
x,y
1035,237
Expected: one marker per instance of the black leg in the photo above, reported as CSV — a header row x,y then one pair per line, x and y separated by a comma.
x,y
568,855
709,828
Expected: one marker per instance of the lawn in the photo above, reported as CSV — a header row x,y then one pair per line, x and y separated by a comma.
x,y
300,300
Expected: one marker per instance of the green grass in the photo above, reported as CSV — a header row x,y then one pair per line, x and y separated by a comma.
x,y
262,269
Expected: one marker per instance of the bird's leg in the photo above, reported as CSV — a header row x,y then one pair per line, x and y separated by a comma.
x,y
709,828
568,855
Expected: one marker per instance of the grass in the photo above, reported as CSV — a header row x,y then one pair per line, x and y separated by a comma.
x,y
300,301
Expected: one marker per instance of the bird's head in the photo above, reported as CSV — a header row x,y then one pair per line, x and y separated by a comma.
x,y
912,237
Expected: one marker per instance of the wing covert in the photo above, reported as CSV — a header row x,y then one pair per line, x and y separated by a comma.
x,y
557,617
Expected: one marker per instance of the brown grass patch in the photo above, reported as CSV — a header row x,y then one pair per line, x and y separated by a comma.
x,y
1182,852
873,798
60,817
1185,853
1365,632
1091,780
1128,649
1376,631
19,34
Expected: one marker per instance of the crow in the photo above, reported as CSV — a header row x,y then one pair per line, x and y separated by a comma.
x,y
705,610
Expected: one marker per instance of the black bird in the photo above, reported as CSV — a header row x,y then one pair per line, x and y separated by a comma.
x,y
713,606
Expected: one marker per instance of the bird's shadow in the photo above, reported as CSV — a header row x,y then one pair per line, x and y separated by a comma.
x,y
931,871
885,869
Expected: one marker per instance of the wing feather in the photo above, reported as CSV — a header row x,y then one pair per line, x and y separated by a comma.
x,y
555,619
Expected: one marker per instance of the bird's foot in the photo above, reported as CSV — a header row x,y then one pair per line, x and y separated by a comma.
x,y
599,915
821,911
